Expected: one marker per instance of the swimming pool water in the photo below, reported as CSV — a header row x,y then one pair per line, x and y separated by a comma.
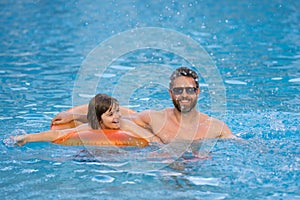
x,y
255,45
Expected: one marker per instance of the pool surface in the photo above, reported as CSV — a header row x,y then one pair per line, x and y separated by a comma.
x,y
254,46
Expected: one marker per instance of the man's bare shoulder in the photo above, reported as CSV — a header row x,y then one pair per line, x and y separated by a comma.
x,y
146,115
216,121
203,116
157,112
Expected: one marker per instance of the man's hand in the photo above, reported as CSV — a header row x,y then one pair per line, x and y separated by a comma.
x,y
63,118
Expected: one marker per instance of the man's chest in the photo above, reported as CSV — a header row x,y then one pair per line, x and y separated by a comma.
x,y
167,130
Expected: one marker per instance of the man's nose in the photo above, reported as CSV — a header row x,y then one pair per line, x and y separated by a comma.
x,y
184,93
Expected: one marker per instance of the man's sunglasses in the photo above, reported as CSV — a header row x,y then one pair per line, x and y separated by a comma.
x,y
188,90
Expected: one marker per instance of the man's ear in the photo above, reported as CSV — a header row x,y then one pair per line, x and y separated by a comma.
x,y
170,93
198,90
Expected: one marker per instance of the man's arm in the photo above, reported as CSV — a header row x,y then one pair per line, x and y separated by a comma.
x,y
79,113
218,129
136,130
141,119
226,132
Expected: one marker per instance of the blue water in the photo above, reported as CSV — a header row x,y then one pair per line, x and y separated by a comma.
x,y
255,46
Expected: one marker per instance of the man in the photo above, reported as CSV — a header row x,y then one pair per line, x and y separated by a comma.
x,y
183,122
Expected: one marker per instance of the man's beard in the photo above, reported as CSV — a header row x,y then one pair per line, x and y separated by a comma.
x,y
184,108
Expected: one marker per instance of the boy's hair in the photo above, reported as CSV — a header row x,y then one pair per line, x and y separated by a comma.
x,y
98,105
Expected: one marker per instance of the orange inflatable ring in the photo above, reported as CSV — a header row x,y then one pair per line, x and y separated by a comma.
x,y
101,138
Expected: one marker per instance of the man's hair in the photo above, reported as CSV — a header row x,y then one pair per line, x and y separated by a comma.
x,y
97,106
183,71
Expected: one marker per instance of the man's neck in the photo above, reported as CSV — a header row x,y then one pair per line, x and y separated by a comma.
x,y
185,117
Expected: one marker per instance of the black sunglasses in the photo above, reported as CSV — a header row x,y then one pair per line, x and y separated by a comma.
x,y
188,90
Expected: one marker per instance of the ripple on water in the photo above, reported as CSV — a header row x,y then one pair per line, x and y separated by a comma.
x,y
235,82
108,171
107,75
203,181
29,171
128,182
276,78
8,168
294,80
108,164
19,88
121,67
5,118
34,117
103,179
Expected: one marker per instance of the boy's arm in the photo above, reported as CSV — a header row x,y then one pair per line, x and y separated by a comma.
x,y
47,136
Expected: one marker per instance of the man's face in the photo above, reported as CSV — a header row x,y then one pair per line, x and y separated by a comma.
x,y
184,94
